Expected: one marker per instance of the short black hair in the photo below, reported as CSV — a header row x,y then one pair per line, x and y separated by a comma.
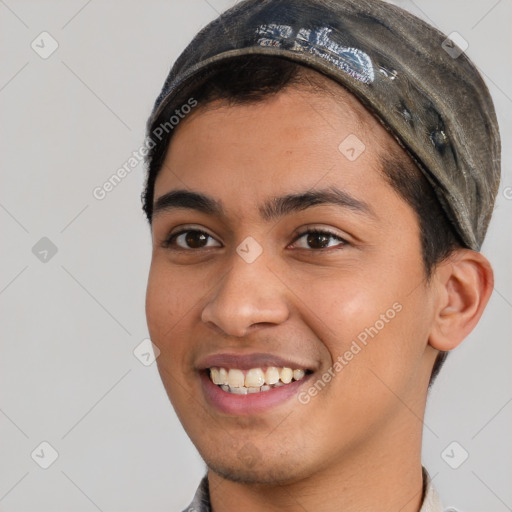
x,y
254,78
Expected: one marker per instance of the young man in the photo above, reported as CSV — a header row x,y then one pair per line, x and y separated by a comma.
x,y
320,181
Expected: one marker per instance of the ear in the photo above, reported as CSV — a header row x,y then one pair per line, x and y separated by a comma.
x,y
464,283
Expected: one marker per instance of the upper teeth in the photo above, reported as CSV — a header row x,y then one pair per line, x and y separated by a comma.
x,y
255,378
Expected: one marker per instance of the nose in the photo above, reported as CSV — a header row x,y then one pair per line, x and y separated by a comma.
x,y
248,294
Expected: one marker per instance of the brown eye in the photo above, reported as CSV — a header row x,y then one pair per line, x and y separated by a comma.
x,y
195,239
190,239
319,239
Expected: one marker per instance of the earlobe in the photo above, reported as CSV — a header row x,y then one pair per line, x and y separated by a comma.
x,y
464,283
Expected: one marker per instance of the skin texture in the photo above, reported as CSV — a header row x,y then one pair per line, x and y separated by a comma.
x,y
356,445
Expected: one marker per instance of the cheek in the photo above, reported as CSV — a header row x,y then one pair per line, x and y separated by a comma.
x,y
341,304
168,301
383,349
374,320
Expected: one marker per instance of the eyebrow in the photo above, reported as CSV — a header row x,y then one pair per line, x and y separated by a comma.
x,y
272,209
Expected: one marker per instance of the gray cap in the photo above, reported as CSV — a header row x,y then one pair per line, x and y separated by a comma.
x,y
415,80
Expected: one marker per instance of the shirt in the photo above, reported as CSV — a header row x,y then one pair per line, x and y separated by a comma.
x,y
431,501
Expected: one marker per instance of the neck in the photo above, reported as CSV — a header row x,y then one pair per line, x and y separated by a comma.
x,y
384,474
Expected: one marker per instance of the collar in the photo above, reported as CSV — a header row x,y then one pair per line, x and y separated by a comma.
x,y
431,501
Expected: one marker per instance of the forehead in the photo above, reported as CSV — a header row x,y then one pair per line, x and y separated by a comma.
x,y
298,139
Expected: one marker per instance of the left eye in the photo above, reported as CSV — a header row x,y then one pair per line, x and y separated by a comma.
x,y
319,239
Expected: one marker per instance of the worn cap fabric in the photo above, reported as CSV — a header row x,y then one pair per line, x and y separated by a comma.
x,y
415,80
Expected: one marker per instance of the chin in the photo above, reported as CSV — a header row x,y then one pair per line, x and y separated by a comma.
x,y
261,476
257,471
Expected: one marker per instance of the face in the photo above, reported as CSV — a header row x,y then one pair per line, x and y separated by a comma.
x,y
290,273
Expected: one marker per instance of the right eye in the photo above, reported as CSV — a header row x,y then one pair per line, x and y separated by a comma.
x,y
188,239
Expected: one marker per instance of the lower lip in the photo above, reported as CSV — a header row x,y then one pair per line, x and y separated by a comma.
x,y
251,403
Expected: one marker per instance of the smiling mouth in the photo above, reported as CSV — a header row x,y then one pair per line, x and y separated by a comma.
x,y
255,380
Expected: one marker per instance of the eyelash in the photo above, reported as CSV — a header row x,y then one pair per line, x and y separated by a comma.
x,y
318,231
169,242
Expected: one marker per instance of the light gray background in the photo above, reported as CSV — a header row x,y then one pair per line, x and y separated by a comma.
x,y
69,326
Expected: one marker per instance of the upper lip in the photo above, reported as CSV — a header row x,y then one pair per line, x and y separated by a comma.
x,y
248,361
